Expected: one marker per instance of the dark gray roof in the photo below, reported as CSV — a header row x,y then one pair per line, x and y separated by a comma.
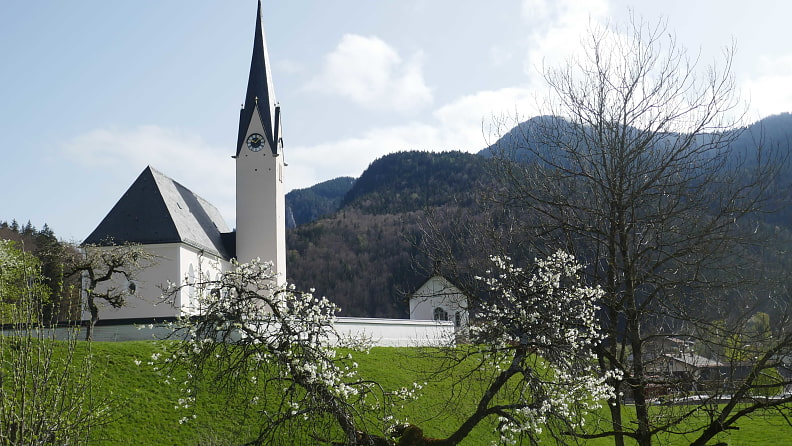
x,y
156,209
259,90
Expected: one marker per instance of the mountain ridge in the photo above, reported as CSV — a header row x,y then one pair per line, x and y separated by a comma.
x,y
363,256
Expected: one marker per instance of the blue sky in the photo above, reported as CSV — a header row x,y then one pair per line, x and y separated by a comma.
x,y
91,92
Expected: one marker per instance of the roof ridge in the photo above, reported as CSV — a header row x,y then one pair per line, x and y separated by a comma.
x,y
158,209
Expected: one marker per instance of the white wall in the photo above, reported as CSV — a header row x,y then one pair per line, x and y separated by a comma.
x,y
172,263
381,332
196,265
437,292
397,332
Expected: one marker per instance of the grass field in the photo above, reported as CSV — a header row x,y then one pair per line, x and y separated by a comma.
x,y
145,412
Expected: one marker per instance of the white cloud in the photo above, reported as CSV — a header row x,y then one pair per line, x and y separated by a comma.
x,y
460,125
769,91
124,153
309,165
557,26
768,95
468,122
371,73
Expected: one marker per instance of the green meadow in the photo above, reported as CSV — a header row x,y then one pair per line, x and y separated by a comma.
x,y
145,413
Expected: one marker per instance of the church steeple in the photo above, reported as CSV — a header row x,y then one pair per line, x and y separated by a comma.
x,y
260,97
261,215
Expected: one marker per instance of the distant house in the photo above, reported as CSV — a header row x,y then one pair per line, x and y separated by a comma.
x,y
673,365
686,364
439,300
785,370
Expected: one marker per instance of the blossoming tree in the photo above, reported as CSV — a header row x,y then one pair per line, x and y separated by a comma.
x,y
279,348
532,348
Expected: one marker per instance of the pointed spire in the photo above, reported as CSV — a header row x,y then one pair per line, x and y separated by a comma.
x,y
260,93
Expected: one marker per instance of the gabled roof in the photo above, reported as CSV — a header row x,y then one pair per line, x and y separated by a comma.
x,y
447,287
466,284
156,209
260,92
694,360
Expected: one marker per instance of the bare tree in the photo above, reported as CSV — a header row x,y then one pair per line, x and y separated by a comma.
x,y
46,387
633,168
108,274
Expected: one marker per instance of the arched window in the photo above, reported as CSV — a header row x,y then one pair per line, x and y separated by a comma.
x,y
440,314
223,290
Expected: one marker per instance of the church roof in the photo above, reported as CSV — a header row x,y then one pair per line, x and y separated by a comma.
x,y
259,90
157,209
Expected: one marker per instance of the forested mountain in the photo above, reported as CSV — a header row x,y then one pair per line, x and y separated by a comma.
x,y
772,134
411,181
364,258
309,204
523,134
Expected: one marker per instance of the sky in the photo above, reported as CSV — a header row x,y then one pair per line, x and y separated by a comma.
x,y
92,91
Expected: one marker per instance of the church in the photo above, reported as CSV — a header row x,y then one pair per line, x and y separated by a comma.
x,y
186,233
190,239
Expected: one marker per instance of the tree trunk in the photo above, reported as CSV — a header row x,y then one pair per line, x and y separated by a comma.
x,y
94,319
616,421
482,410
638,385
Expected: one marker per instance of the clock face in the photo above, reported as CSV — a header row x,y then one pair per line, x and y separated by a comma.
x,y
255,142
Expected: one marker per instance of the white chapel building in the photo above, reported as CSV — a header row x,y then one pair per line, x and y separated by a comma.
x,y
440,300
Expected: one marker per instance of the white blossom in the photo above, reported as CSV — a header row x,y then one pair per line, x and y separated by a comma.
x,y
547,314
286,335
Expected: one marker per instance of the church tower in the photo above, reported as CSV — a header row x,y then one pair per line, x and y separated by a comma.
x,y
260,200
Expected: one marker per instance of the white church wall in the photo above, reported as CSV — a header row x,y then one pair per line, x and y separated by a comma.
x,y
172,264
196,265
380,332
146,300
